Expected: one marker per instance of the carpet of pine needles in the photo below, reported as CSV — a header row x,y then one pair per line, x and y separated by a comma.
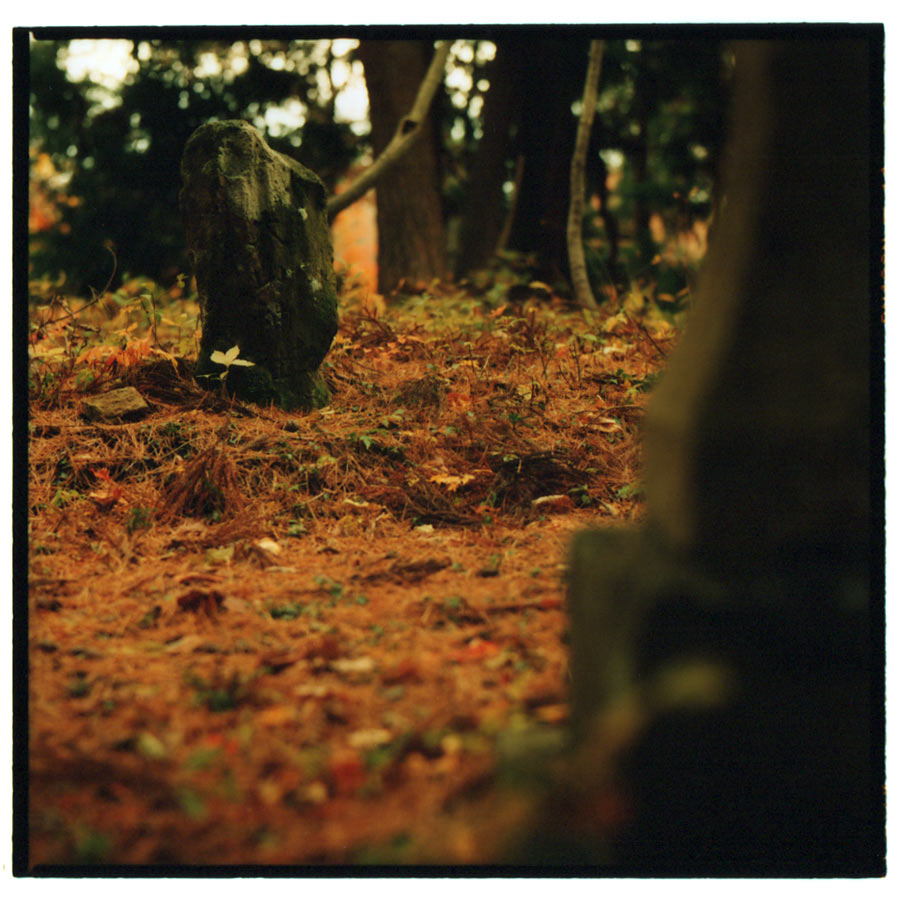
x,y
264,637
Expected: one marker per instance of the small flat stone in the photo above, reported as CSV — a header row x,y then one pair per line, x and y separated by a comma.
x,y
119,404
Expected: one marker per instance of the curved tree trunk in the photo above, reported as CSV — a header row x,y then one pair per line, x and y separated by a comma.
x,y
581,286
411,240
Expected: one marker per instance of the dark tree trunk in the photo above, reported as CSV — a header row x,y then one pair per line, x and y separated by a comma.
x,y
760,472
411,241
552,78
484,210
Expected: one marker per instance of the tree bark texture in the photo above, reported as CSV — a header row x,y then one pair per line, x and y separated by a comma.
x,y
411,241
551,80
259,243
484,209
774,366
406,134
581,286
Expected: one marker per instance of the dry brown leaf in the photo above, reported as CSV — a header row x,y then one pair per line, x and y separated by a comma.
x,y
452,482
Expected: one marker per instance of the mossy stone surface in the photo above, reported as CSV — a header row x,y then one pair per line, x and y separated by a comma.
x,y
260,246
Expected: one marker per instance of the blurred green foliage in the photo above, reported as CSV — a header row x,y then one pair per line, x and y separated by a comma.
x,y
116,149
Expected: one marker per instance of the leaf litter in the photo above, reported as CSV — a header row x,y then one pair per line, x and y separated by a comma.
x,y
261,637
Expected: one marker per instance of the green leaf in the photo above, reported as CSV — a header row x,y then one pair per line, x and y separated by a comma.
x,y
91,846
202,759
191,802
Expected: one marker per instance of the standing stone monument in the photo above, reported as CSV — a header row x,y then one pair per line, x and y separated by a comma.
x,y
738,632
259,243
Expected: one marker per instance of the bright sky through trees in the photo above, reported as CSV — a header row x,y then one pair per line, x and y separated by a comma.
x,y
108,62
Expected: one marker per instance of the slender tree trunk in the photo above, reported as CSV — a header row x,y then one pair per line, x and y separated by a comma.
x,y
581,286
503,239
411,241
553,78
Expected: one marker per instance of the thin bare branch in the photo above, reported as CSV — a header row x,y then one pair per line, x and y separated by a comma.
x,y
408,131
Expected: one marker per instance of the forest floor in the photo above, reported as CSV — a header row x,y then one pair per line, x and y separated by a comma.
x,y
261,637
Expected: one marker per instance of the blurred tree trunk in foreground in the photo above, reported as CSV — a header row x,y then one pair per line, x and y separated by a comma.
x,y
727,687
411,242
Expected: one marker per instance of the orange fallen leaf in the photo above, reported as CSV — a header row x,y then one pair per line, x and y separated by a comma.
x,y
554,714
217,740
276,715
403,670
451,482
475,650
324,646
458,400
109,493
